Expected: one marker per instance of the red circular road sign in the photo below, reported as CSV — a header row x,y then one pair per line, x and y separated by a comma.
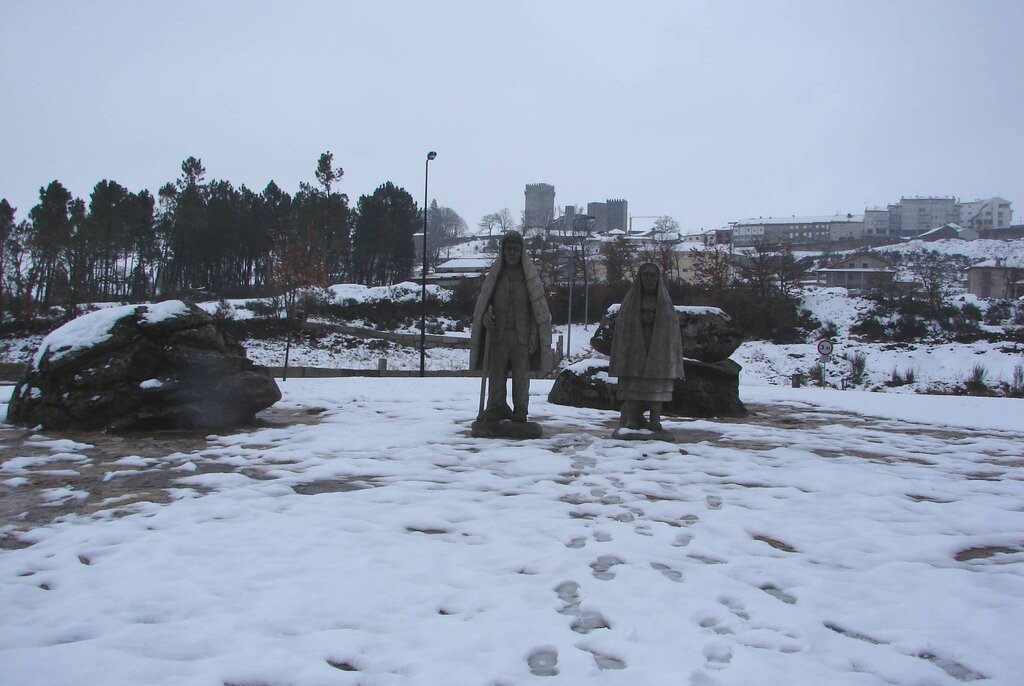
x,y
825,347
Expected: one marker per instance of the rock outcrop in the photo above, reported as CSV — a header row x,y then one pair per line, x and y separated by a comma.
x,y
711,386
166,365
708,334
710,389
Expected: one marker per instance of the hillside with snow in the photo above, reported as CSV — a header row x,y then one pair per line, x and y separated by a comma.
x,y
916,367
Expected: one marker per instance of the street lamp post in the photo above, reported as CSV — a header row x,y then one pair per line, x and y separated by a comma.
x,y
423,294
571,254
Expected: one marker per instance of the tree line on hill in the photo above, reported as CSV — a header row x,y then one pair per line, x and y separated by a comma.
x,y
199,238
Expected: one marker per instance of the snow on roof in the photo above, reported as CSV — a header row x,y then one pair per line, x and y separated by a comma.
x,y
881,270
930,232
448,276
466,263
820,219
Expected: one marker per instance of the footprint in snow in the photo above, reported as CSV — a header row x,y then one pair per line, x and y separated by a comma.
x,y
584,621
682,540
777,592
668,572
735,606
718,655
605,661
589,620
603,564
569,593
715,624
543,661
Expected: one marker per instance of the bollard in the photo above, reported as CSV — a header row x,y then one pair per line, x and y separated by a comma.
x,y
382,366
798,379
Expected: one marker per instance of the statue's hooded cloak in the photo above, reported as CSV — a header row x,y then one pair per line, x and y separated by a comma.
x,y
540,316
629,355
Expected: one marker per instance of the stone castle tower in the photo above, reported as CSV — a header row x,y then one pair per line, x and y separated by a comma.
x,y
540,205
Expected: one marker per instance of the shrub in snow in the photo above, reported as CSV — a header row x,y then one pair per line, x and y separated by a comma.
x,y
869,329
1017,384
858,363
976,382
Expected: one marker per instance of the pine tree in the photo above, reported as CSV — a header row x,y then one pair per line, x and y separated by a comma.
x,y
51,227
383,246
7,235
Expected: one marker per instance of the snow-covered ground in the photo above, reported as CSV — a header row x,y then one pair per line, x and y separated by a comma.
x,y
363,537
976,251
333,352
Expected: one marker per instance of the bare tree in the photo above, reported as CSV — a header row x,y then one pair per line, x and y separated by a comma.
x,y
444,228
664,225
500,221
936,273
771,268
619,257
712,268
791,271
758,266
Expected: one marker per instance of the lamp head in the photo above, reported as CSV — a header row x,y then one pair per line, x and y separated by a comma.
x,y
431,155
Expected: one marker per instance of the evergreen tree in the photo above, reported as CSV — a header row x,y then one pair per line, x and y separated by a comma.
x,y
51,230
7,236
383,246
188,229
326,173
272,218
103,243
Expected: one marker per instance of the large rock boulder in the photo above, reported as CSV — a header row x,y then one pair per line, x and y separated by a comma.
x,y
166,365
710,389
708,333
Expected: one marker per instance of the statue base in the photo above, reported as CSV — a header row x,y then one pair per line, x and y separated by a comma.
x,y
505,428
624,434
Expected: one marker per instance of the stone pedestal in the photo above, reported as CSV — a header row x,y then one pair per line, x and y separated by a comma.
x,y
506,428
624,434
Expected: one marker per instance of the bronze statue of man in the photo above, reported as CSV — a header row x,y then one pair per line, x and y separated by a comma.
x,y
511,332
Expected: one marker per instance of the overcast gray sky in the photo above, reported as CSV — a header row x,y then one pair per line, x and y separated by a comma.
x,y
705,111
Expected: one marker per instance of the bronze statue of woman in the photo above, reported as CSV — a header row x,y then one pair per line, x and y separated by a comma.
x,y
646,351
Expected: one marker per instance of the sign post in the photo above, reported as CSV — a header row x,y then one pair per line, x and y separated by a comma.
x,y
825,347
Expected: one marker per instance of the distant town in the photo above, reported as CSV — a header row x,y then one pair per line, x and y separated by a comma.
x,y
910,217
834,250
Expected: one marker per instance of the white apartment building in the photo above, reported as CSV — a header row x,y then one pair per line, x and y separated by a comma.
x,y
876,222
993,213
796,230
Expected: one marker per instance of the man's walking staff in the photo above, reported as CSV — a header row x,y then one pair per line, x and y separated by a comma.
x,y
483,366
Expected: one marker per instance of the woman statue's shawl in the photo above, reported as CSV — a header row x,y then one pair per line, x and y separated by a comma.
x,y
540,316
629,355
